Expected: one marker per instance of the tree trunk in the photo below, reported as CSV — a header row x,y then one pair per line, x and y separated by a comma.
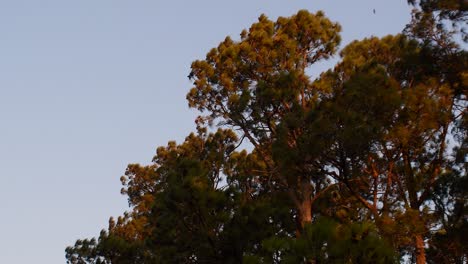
x,y
420,251
305,212
305,205
305,217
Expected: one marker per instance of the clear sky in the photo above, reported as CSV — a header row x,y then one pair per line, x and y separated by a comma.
x,y
88,86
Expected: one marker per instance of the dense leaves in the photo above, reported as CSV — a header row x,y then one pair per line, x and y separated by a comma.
x,y
365,164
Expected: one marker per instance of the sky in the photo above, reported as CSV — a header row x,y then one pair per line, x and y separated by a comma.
x,y
89,86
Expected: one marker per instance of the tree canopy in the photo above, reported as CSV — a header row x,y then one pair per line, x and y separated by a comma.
x,y
364,164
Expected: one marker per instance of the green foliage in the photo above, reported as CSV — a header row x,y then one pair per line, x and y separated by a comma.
x,y
259,86
253,82
449,243
452,9
366,164
328,241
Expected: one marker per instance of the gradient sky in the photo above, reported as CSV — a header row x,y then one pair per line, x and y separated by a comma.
x,y
88,86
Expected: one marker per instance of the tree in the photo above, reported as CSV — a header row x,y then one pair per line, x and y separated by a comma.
x,y
194,204
398,119
365,164
253,84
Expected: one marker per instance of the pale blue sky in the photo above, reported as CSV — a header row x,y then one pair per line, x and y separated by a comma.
x,y
88,86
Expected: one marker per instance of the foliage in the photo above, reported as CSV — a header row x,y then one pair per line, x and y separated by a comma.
x,y
365,164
